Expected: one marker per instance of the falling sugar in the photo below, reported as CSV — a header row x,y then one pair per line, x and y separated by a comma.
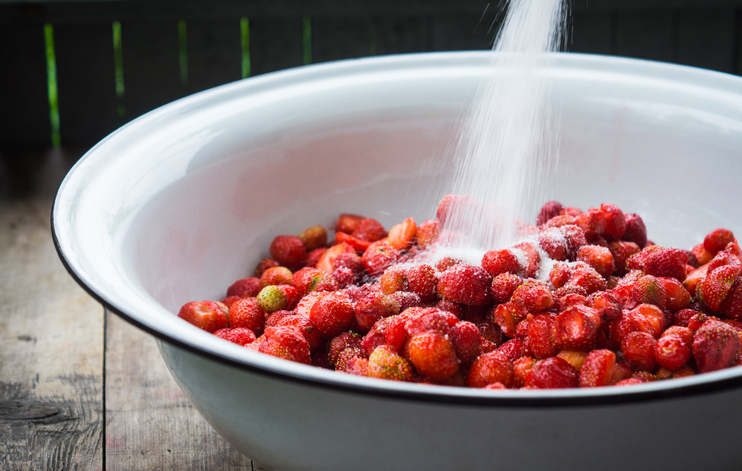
x,y
507,144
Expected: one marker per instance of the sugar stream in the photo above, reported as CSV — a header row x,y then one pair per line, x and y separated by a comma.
x,y
508,142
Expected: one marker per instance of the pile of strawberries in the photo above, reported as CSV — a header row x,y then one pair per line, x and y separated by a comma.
x,y
584,300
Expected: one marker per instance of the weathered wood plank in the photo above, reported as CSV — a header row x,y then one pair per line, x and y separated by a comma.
x,y
461,32
399,34
51,338
24,103
87,91
340,38
150,424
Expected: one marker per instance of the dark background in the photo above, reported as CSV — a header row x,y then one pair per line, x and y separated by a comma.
x,y
170,49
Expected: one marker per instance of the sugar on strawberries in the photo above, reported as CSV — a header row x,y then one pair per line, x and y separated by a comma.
x,y
583,300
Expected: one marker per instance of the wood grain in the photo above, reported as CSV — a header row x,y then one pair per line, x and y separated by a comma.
x,y
150,424
51,346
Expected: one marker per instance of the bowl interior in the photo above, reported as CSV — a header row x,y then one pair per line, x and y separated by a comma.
x,y
181,202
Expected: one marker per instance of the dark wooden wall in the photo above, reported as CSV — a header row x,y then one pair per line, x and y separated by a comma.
x,y
170,48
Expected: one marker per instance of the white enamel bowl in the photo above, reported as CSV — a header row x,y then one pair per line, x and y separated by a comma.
x,y
179,203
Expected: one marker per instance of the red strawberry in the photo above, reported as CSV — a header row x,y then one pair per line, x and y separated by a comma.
x,y
314,257
245,288
638,350
359,245
600,258
676,295
717,240
340,343
534,296
615,221
466,341
732,305
716,346
539,336
513,349
500,261
427,233
287,343
348,222
504,285
465,284
552,373
326,263
717,285
490,368
593,223
549,210
554,244
263,265
622,250
288,250
247,313
375,336
649,290
433,355
451,204
530,259
310,279
402,235
238,335
369,230
672,352
304,326
332,314
422,281
507,316
585,276
276,276
207,315
636,231
379,256
373,307
597,369
575,328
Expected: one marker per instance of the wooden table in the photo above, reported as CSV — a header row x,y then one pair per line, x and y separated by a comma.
x,y
80,388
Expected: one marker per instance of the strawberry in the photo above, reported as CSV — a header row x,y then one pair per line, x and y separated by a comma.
x,y
606,304
677,297
359,245
332,314
310,279
247,313
615,221
585,276
304,326
465,284
263,265
716,346
539,336
575,328
534,296
593,222
638,350
394,279
575,238
521,367
500,261
245,288
326,263
274,318
507,316
239,335
702,255
341,342
433,355
402,235
347,222
385,363
379,256
649,290
373,307
503,286
636,231
660,261
731,307
313,238
490,368
314,257
549,210
369,230
375,336
717,240
466,341
288,250
621,251
554,244
207,315
716,286
600,258
277,297
672,351
427,233
229,300
552,373
422,281
530,257
287,343
451,204
276,276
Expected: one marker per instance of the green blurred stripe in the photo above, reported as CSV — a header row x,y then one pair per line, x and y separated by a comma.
x,y
307,39
245,46
118,66
51,83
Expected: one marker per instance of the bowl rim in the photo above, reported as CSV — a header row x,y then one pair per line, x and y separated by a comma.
x,y
257,363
